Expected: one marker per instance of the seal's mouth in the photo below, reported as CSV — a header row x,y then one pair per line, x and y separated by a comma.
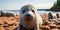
x,y
29,18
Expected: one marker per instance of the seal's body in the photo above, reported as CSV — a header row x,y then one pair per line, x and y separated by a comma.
x,y
58,15
52,16
30,19
7,14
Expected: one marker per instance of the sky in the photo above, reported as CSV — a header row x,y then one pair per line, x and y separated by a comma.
x,y
17,4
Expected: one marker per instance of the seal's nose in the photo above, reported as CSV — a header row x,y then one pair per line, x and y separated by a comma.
x,y
28,15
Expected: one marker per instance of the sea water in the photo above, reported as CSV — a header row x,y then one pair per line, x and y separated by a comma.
x,y
18,11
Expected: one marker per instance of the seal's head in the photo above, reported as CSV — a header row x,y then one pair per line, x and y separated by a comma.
x,y
27,12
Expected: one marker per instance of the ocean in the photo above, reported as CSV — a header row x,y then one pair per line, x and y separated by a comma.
x,y
18,11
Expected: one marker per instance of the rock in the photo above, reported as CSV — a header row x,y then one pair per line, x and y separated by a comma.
x,y
46,22
52,26
58,26
55,29
16,28
58,23
45,27
8,23
1,28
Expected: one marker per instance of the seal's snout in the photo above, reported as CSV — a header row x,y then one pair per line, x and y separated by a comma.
x,y
27,15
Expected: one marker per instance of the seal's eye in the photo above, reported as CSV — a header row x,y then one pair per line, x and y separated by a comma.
x,y
33,11
23,11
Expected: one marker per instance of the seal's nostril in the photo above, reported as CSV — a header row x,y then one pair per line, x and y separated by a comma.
x,y
28,15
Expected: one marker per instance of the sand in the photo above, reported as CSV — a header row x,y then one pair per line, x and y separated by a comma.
x,y
11,23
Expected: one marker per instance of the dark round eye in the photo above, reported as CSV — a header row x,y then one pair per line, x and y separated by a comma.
x,y
23,11
33,11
